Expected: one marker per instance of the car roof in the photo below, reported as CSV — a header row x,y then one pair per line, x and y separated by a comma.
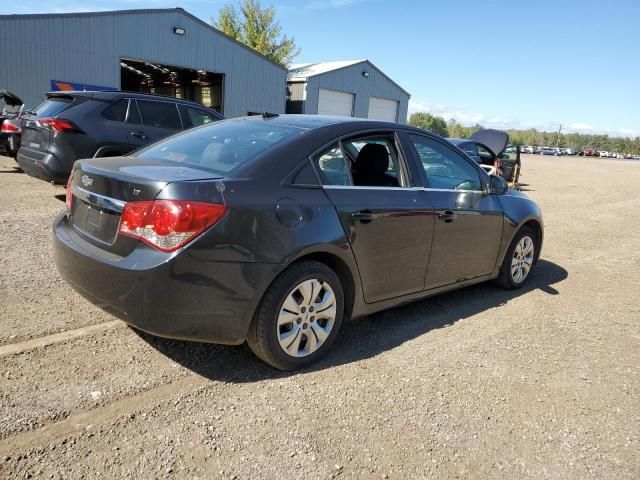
x,y
459,141
115,94
316,121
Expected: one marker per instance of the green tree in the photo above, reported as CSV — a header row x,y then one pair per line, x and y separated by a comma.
x,y
429,122
257,28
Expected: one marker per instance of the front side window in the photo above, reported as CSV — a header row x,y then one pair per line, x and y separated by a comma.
x,y
220,147
363,162
159,114
445,168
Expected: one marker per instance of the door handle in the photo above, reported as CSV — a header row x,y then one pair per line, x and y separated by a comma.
x,y
447,216
365,216
139,134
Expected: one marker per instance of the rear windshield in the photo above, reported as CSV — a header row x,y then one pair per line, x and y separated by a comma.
x,y
52,107
220,147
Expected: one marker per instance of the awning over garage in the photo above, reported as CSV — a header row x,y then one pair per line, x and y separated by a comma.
x,y
331,102
381,109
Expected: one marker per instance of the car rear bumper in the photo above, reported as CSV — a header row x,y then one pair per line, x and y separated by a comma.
x,y
44,166
181,296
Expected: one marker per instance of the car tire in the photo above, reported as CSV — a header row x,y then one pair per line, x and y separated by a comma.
x,y
285,332
519,260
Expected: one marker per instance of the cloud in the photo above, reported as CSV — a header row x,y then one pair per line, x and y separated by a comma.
x,y
581,127
457,114
502,123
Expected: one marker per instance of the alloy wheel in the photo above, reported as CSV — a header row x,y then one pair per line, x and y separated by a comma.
x,y
522,260
306,318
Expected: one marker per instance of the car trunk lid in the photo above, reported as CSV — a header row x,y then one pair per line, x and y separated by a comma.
x,y
12,105
495,140
102,187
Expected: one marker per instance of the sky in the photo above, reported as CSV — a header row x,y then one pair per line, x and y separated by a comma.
x,y
503,64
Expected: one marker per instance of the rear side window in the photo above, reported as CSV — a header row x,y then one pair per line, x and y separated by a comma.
x,y
117,111
334,167
195,117
222,146
52,107
159,114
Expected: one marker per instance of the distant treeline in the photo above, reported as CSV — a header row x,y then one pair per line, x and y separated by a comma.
x,y
532,136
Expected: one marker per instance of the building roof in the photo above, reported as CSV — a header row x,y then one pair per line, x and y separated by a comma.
x,y
178,10
300,72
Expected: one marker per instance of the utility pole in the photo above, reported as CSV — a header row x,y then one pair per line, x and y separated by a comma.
x,y
558,137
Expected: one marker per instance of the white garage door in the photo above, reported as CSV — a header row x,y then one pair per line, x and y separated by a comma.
x,y
331,102
381,109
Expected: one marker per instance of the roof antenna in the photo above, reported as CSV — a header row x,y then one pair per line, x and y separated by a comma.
x,y
270,115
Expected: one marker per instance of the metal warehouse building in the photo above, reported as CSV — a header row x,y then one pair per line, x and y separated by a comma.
x,y
164,51
355,88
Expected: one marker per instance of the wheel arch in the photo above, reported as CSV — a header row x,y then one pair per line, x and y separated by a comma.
x,y
341,268
108,151
536,226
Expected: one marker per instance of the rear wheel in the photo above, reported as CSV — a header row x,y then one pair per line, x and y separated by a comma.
x,y
519,260
299,316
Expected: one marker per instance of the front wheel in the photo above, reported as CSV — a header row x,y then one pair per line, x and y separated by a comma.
x,y
299,316
519,260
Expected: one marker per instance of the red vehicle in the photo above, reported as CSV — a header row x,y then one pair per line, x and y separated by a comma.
x,y
589,152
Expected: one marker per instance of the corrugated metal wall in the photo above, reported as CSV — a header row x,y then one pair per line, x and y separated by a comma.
x,y
86,48
350,80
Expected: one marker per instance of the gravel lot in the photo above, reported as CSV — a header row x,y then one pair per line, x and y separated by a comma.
x,y
479,383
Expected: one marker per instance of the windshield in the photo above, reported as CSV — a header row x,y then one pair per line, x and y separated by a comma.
x,y
221,147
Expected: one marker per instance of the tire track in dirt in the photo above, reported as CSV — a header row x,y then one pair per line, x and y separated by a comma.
x,y
16,348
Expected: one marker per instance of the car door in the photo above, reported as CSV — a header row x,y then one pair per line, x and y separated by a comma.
x,y
389,222
468,221
151,120
112,131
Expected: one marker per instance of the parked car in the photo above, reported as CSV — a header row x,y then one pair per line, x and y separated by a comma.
x,y
68,126
571,151
273,229
589,152
527,149
548,151
481,147
9,125
559,151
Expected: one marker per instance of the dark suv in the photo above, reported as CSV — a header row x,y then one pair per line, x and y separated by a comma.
x,y
69,126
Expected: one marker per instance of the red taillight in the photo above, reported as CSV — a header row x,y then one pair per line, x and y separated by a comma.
x,y
69,194
9,127
168,224
57,124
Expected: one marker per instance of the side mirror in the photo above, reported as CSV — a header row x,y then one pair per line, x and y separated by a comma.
x,y
497,185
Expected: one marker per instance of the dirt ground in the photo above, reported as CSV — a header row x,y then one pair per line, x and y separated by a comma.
x,y
479,383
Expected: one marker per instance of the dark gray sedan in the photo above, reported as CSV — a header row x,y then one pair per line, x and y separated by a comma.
x,y
274,229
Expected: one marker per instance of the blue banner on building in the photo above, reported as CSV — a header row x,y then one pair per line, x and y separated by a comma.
x,y
60,86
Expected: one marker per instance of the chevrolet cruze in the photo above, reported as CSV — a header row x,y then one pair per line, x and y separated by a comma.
x,y
274,229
